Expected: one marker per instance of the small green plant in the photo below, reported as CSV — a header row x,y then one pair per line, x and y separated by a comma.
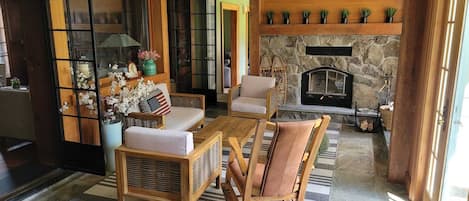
x,y
306,13
344,13
390,12
270,14
286,14
365,12
324,13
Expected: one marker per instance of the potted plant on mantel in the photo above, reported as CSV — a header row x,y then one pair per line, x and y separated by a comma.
x,y
270,17
344,16
324,13
306,14
390,12
365,13
286,17
149,58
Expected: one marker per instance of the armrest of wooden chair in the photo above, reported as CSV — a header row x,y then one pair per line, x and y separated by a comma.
x,y
148,120
188,100
233,93
271,101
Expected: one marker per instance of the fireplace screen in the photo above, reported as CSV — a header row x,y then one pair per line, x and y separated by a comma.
x,y
327,86
327,82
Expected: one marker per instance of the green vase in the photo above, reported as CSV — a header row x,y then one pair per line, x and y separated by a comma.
x,y
149,67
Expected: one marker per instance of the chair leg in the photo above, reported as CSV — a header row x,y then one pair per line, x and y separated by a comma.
x,y
218,182
229,192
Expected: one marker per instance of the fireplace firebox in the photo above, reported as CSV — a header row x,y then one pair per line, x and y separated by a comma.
x,y
327,86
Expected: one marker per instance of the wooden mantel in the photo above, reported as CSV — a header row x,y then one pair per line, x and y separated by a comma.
x,y
331,29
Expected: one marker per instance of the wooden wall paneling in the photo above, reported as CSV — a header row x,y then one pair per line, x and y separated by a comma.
x,y
159,40
407,114
334,7
12,14
254,33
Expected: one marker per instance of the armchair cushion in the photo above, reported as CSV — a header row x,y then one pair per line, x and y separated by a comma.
x,y
256,86
163,141
155,103
248,104
183,118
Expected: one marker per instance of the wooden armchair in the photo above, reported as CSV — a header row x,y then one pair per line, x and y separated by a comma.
x,y
146,169
285,174
256,97
187,113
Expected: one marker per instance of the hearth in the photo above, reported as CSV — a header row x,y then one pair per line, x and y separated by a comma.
x,y
327,86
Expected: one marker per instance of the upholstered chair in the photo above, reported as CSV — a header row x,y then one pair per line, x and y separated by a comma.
x,y
289,162
255,97
187,112
159,164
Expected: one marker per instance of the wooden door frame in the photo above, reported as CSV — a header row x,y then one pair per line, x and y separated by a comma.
x,y
235,9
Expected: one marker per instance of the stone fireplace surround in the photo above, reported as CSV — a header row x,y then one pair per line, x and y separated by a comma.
x,y
372,58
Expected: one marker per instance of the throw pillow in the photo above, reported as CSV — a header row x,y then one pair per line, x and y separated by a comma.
x,y
155,103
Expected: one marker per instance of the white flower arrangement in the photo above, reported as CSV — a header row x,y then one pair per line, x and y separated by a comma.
x,y
129,99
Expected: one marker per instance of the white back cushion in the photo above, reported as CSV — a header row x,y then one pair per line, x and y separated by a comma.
x,y
164,89
162,141
256,86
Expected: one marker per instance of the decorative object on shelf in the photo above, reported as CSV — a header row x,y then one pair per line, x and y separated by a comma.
x,y
270,17
133,72
324,13
83,67
306,14
344,16
286,17
15,83
390,12
149,58
365,13
119,41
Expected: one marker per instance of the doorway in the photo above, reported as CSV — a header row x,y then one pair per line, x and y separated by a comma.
x,y
229,27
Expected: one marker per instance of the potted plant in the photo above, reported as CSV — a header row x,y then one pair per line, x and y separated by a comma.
x,y
286,17
390,12
270,17
306,14
149,58
15,83
324,13
365,13
344,16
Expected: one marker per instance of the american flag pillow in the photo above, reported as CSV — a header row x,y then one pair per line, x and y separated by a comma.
x,y
155,103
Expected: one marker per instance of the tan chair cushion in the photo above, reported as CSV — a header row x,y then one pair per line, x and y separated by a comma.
x,y
257,179
256,86
285,157
183,118
163,141
247,104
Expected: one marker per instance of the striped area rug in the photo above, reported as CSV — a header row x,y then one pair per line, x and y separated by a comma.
x,y
319,186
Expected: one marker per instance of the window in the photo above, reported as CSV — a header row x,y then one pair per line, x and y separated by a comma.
x,y
4,64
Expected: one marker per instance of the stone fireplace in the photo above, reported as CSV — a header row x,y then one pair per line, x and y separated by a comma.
x,y
372,58
326,86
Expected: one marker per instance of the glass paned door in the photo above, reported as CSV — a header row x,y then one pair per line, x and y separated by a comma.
x,y
74,59
456,172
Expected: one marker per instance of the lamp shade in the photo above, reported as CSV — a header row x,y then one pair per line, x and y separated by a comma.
x,y
119,40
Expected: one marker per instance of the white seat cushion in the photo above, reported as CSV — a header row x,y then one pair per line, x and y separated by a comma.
x,y
256,86
163,141
183,118
247,104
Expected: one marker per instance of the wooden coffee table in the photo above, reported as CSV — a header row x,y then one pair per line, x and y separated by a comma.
x,y
240,128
